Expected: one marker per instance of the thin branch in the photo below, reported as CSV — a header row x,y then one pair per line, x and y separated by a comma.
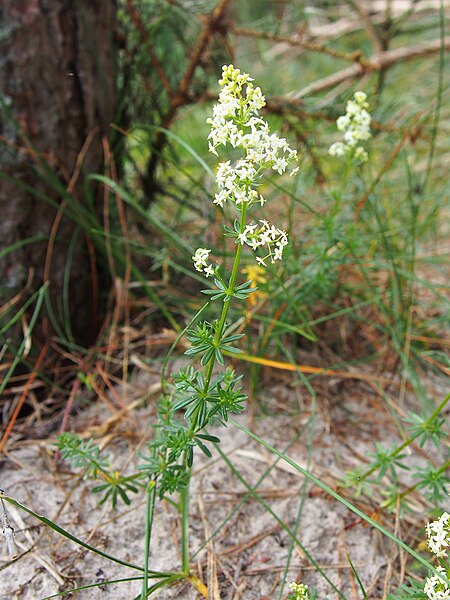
x,y
297,42
197,53
375,63
377,42
136,18
182,97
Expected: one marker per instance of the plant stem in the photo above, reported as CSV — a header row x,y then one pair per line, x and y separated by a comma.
x,y
184,494
150,508
226,304
184,501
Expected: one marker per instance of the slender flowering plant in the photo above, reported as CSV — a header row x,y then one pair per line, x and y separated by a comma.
x,y
205,392
205,395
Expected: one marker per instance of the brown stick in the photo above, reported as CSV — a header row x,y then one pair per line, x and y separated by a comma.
x,y
296,42
375,63
370,28
136,18
23,396
180,97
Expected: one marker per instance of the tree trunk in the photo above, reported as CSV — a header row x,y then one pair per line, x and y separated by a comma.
x,y
57,94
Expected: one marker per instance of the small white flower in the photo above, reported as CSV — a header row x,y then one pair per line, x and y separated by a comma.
x,y
280,165
274,232
438,533
201,256
278,254
337,149
242,238
343,122
200,259
350,138
220,198
265,237
209,270
360,98
300,590
436,588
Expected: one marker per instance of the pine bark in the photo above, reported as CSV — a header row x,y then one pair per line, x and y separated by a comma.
x,y
57,89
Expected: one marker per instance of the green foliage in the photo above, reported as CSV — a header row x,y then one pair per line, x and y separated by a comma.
x,y
435,482
386,461
87,457
83,455
407,591
385,464
428,430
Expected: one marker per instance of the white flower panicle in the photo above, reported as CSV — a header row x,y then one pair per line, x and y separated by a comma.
x,y
234,182
436,588
438,533
300,590
234,108
356,127
200,259
236,121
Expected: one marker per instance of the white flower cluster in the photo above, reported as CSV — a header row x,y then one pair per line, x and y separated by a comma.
x,y
300,590
356,127
200,259
436,588
267,235
438,533
236,121
234,182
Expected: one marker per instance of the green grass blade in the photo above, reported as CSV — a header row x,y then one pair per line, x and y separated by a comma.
x,y
37,309
72,537
336,496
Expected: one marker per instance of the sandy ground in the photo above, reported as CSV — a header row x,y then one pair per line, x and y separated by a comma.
x,y
248,555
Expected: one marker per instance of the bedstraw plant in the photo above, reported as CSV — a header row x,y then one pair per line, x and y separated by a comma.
x,y
205,394
208,394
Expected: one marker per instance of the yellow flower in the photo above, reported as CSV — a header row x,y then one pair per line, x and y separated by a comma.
x,y
257,275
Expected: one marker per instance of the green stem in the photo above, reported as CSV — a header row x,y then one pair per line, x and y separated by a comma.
x,y
225,307
184,501
184,494
150,508
226,304
340,191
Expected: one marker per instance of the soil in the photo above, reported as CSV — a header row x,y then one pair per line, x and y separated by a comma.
x,y
247,557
